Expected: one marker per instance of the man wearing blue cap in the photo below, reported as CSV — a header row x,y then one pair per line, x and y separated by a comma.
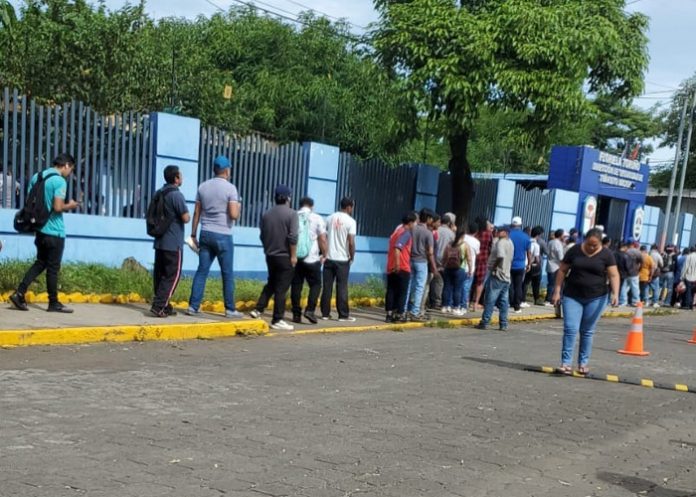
x,y
279,232
217,207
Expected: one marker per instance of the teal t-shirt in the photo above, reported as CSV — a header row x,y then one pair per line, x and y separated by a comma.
x,y
56,186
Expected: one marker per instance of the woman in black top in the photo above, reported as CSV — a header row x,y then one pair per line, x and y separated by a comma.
x,y
583,275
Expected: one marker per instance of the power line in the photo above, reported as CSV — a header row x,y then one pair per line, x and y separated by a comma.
x,y
324,13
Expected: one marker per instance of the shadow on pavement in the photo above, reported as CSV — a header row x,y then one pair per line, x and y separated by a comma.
x,y
640,486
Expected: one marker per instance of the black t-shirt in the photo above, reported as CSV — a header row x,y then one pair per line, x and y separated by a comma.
x,y
588,275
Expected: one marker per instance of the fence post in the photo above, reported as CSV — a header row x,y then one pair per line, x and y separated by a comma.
x,y
427,186
176,140
322,176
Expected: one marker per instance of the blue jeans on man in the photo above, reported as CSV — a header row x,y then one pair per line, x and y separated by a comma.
x,y
655,289
630,283
580,315
214,245
419,277
496,295
666,285
550,284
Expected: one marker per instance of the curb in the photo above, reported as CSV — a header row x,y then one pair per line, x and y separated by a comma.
x,y
612,378
207,331
131,333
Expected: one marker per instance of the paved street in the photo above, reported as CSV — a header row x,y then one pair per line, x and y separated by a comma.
x,y
432,412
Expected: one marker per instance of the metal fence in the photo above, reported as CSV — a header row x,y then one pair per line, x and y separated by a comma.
x,y
258,166
113,153
382,194
534,205
482,204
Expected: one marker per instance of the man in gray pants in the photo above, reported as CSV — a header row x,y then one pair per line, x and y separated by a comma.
x,y
446,233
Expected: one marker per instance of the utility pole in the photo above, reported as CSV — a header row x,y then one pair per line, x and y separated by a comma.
x,y
683,171
673,179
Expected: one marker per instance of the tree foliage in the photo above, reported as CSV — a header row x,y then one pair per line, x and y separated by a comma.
x,y
311,82
540,59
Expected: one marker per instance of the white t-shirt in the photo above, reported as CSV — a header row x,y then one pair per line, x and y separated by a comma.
x,y
10,187
475,245
317,227
338,226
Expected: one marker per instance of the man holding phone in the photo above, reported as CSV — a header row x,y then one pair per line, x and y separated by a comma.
x,y
50,239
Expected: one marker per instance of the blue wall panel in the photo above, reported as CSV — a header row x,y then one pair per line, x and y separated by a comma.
x,y
176,136
425,202
324,194
323,160
428,180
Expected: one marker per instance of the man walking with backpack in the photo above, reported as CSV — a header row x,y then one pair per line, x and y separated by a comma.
x,y
217,206
170,202
311,247
47,191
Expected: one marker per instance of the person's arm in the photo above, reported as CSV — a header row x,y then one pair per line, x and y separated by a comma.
x,y
234,210
292,237
397,259
351,247
323,244
529,260
615,283
471,261
60,205
560,277
196,220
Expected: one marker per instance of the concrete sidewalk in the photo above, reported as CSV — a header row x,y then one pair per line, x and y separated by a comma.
x,y
133,322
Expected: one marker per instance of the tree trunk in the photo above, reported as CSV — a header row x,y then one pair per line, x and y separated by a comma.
x,y
462,183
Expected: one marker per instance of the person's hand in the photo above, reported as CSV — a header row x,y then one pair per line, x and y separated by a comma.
x,y
470,275
322,260
73,204
614,300
556,299
293,260
527,269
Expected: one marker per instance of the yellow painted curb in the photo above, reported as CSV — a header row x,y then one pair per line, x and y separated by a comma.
x,y
131,333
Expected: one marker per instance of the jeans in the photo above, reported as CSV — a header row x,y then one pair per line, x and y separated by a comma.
x,y
49,253
688,298
166,275
655,289
452,295
212,246
550,284
580,315
533,277
645,292
419,277
630,283
466,291
335,271
497,292
312,273
397,290
517,287
666,285
280,273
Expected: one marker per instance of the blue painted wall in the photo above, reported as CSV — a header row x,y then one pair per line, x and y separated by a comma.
x,y
427,186
322,176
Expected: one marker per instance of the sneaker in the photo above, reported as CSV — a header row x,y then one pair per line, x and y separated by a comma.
x,y
349,319
446,310
538,302
282,325
400,318
503,328
170,311
192,312
481,326
59,308
656,305
517,311
18,301
417,317
158,313
325,318
548,304
233,314
255,314
389,318
524,305
457,312
297,318
309,316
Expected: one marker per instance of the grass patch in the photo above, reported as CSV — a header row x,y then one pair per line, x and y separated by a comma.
x,y
101,279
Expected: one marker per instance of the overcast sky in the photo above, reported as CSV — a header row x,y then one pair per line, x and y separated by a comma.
x,y
672,34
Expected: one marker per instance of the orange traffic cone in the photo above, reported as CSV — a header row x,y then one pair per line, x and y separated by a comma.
x,y
693,339
634,340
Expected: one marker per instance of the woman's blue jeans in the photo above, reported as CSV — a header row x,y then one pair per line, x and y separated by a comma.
x,y
580,315
214,245
453,292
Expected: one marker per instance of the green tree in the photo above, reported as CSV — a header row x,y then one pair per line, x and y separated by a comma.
x,y
537,58
669,121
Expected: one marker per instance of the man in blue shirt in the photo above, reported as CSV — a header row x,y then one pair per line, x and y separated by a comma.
x,y
168,247
50,240
521,263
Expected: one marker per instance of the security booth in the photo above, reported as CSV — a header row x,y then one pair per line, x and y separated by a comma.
x,y
611,190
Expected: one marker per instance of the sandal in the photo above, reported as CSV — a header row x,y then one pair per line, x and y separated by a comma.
x,y
565,369
583,370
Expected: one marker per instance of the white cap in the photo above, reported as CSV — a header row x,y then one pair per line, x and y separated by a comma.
x,y
516,221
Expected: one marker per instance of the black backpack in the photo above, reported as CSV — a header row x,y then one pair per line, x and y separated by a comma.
x,y
157,220
35,213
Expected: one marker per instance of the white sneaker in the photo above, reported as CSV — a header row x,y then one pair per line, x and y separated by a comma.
x,y
524,305
350,319
548,304
255,314
457,312
656,305
282,325
518,311
446,310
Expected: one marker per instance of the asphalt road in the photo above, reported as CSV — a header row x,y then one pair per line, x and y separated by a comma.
x,y
433,412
